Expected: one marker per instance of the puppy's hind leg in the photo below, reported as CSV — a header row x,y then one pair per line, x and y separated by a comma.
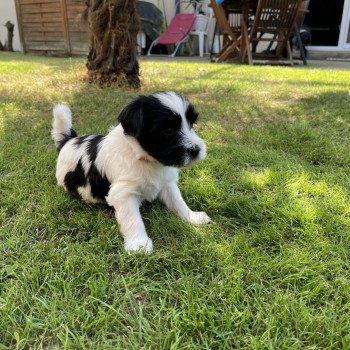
x,y
171,197
127,211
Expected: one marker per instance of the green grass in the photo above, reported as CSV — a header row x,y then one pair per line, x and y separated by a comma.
x,y
270,272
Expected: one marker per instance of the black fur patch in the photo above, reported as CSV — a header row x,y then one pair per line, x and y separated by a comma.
x,y
191,114
92,147
157,128
66,138
99,184
75,179
80,140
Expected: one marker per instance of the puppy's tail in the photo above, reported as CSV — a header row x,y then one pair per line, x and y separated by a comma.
x,y
62,125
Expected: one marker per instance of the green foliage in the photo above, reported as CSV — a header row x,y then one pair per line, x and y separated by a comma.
x,y
270,272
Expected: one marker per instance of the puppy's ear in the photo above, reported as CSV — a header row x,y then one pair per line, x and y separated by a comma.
x,y
131,117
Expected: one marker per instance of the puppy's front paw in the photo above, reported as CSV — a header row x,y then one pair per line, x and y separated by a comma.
x,y
139,245
198,218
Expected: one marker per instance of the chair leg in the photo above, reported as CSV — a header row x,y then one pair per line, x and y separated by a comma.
x,y
201,43
300,44
289,50
206,43
177,46
243,54
228,50
151,47
220,53
189,42
279,48
247,48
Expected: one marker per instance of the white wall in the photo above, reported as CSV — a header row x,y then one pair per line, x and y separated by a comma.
x,y
8,13
169,7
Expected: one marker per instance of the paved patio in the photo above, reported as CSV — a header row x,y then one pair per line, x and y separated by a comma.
x,y
330,63
340,63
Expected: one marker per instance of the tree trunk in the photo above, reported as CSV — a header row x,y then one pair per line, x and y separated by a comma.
x,y
113,25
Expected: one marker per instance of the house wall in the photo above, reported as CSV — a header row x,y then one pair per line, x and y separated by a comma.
x,y
8,13
169,9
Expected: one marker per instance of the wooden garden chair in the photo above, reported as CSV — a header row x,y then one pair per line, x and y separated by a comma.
x,y
274,17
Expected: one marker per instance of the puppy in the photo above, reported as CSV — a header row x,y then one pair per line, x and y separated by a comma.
x,y
137,160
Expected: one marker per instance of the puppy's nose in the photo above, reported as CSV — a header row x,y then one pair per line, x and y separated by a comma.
x,y
194,151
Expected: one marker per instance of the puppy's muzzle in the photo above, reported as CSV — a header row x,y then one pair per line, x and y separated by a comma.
x,y
194,151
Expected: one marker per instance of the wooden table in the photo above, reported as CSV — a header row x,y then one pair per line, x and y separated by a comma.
x,y
233,43
238,5
236,39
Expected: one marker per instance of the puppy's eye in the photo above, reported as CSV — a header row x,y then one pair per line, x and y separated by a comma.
x,y
168,132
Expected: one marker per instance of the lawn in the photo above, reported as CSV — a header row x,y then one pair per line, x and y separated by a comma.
x,y
270,272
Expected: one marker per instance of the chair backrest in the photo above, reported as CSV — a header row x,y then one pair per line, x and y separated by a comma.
x,y
235,20
178,29
275,15
182,22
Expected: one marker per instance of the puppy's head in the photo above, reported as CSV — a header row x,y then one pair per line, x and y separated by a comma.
x,y
162,123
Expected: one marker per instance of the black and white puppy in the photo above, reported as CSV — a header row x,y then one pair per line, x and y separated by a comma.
x,y
137,160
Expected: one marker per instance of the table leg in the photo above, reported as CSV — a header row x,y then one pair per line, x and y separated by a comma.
x,y
246,50
244,47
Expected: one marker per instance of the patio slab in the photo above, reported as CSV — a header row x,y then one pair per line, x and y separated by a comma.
x,y
338,63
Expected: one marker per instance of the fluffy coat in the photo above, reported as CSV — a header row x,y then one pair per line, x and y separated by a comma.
x,y
137,160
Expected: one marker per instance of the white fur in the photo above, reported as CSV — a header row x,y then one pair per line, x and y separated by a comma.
x,y
85,193
134,175
173,101
62,122
171,197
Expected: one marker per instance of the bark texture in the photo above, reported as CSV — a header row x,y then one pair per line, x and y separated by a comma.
x,y
113,26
